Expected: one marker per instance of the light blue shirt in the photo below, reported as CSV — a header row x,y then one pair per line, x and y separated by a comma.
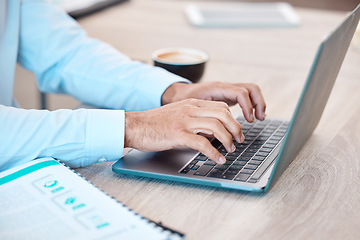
x,y
45,40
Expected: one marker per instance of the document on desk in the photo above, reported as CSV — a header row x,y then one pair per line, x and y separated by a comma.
x,y
44,199
242,14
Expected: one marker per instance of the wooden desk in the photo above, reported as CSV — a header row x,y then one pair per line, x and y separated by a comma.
x,y
317,197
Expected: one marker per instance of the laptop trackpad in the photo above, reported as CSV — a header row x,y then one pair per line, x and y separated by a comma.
x,y
166,162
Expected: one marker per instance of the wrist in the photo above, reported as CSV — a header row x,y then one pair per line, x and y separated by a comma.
x,y
130,126
173,93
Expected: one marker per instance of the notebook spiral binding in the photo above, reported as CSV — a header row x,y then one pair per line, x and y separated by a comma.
x,y
158,225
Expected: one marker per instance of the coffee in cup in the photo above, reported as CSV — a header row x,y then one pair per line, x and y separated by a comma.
x,y
185,62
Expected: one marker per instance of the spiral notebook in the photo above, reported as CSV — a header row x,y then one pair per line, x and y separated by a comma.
x,y
44,199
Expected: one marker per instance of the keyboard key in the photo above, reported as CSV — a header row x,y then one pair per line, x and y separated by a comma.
x,y
210,162
262,154
249,139
203,170
267,150
255,146
195,167
250,166
242,177
259,158
275,123
231,157
190,165
232,172
278,134
236,167
223,151
236,152
228,176
243,158
268,130
260,142
241,163
239,150
246,142
269,145
252,150
201,158
194,161
228,163
255,162
258,127
221,167
265,135
250,134
273,141
217,171
262,138
247,171
255,130
247,154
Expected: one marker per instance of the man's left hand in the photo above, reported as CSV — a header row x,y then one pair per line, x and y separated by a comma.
x,y
247,95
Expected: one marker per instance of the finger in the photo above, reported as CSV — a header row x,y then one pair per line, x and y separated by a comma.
x,y
258,101
203,145
209,104
225,117
236,94
214,126
243,98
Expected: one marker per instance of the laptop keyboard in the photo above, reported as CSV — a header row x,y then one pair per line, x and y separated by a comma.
x,y
251,157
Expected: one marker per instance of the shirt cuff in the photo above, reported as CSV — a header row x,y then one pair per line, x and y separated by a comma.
x,y
157,82
105,132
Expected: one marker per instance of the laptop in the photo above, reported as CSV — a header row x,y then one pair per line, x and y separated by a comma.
x,y
269,146
82,8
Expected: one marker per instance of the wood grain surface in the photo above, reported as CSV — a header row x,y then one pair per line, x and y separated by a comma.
x,y
318,196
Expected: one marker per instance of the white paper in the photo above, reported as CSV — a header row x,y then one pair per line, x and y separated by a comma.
x,y
52,202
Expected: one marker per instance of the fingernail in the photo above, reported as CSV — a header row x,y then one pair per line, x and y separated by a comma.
x,y
222,160
233,148
238,139
264,115
242,137
252,117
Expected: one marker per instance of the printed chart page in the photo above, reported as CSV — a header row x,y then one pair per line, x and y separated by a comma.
x,y
44,199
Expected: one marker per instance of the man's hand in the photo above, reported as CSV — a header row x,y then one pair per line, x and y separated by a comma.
x,y
247,95
178,124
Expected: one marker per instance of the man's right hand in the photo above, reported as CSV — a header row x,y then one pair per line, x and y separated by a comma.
x,y
179,124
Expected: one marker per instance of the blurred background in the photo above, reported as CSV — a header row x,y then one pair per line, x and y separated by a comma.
x,y
337,5
25,89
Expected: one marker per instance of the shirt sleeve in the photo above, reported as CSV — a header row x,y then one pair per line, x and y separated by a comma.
x,y
77,137
65,60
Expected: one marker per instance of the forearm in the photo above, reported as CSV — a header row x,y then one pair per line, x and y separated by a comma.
x,y
66,60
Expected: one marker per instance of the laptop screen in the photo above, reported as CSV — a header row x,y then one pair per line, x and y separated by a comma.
x,y
316,92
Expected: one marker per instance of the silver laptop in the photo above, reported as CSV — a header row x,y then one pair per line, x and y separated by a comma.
x,y
269,146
